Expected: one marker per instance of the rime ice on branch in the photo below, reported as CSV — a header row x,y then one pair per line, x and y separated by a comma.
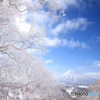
x,y
20,73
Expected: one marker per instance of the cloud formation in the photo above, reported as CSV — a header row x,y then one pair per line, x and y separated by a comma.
x,y
72,44
64,42
82,67
52,42
96,64
48,61
66,3
74,24
98,38
93,75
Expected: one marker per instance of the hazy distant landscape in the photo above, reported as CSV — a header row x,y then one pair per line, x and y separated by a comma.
x,y
76,82
75,78
83,90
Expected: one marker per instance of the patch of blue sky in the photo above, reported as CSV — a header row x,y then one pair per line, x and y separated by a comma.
x,y
73,41
76,39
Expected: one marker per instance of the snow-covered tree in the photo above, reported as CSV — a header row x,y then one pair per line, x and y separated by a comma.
x,y
93,88
22,75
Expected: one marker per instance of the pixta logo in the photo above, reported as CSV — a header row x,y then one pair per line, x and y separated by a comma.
x,y
93,94
84,94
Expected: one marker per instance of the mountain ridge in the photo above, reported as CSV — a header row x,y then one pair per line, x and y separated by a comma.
x,y
73,77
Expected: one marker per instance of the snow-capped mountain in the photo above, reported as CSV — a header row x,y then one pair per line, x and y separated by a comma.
x,y
73,77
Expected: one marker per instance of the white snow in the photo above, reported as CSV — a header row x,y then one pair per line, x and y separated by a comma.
x,y
73,77
83,86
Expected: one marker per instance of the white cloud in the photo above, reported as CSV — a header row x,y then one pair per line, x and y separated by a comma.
x,y
66,3
52,42
58,29
82,67
63,42
98,37
93,75
48,61
84,45
41,18
72,44
79,23
96,64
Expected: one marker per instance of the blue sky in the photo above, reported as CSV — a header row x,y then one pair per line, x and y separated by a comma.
x,y
73,42
75,39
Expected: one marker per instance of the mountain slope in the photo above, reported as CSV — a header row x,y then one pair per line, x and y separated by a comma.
x,y
73,77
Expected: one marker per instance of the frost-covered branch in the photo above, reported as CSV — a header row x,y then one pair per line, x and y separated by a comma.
x,y
22,73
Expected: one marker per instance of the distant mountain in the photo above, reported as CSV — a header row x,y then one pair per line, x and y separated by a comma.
x,y
75,78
